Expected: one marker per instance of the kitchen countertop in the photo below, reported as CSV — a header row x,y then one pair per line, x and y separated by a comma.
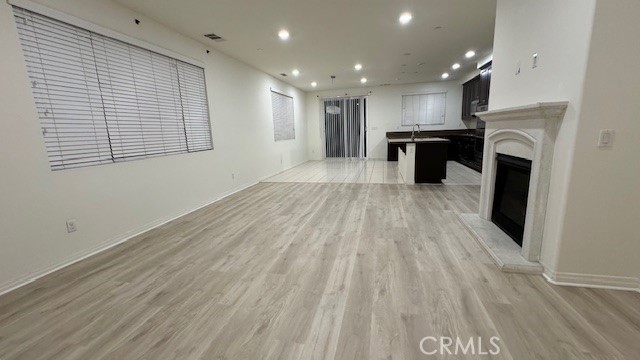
x,y
418,140
466,133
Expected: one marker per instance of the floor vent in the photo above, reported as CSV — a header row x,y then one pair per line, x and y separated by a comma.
x,y
215,37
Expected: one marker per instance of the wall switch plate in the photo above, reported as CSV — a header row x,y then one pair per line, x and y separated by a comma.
x,y
605,139
534,61
71,226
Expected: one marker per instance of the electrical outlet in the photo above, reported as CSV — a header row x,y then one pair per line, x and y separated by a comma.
x,y
605,139
71,226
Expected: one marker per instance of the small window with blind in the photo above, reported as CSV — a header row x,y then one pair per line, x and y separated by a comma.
x,y
101,100
423,109
283,123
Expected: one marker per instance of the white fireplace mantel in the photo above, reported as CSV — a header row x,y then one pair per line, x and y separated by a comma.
x,y
527,132
541,110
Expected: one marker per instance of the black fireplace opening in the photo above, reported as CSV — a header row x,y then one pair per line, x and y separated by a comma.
x,y
510,196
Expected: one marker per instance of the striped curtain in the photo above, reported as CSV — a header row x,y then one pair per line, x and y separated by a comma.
x,y
344,124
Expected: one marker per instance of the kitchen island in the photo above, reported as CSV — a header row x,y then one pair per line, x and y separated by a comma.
x,y
421,160
466,145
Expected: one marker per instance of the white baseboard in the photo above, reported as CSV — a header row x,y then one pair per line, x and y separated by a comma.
x,y
106,245
592,281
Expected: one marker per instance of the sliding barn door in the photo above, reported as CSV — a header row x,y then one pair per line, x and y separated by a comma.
x,y
344,127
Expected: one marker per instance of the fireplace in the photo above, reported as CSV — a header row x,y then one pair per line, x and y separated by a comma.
x,y
516,176
510,195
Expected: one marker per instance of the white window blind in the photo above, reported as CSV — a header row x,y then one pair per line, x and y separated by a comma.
x,y
283,122
101,100
423,109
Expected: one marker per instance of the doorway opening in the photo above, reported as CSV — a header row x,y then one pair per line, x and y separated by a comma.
x,y
345,122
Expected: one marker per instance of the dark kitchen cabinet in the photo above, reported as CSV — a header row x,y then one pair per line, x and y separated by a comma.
x,y
470,93
470,149
475,92
431,162
466,149
485,84
464,146
452,152
392,150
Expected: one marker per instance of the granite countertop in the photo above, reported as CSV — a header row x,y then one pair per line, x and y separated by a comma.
x,y
429,133
418,140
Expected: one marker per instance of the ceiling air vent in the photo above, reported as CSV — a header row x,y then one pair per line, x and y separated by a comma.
x,y
215,37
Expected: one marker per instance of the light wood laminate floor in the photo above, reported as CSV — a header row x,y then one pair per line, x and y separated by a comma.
x,y
310,271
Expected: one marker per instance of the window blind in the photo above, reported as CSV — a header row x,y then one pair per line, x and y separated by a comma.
x,y
423,109
101,100
283,122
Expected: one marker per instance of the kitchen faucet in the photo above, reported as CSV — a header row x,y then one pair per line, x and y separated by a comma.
x,y
413,129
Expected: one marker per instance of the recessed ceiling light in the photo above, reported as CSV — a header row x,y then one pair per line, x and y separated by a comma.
x,y
363,80
314,84
295,72
283,34
358,67
470,54
445,75
455,66
405,18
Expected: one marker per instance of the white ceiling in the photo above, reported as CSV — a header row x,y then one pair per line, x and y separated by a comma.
x,y
329,36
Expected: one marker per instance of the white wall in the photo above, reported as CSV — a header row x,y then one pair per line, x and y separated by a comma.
x,y
600,235
588,55
384,113
560,32
113,201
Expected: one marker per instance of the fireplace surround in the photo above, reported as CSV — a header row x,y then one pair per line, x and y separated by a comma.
x,y
528,133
